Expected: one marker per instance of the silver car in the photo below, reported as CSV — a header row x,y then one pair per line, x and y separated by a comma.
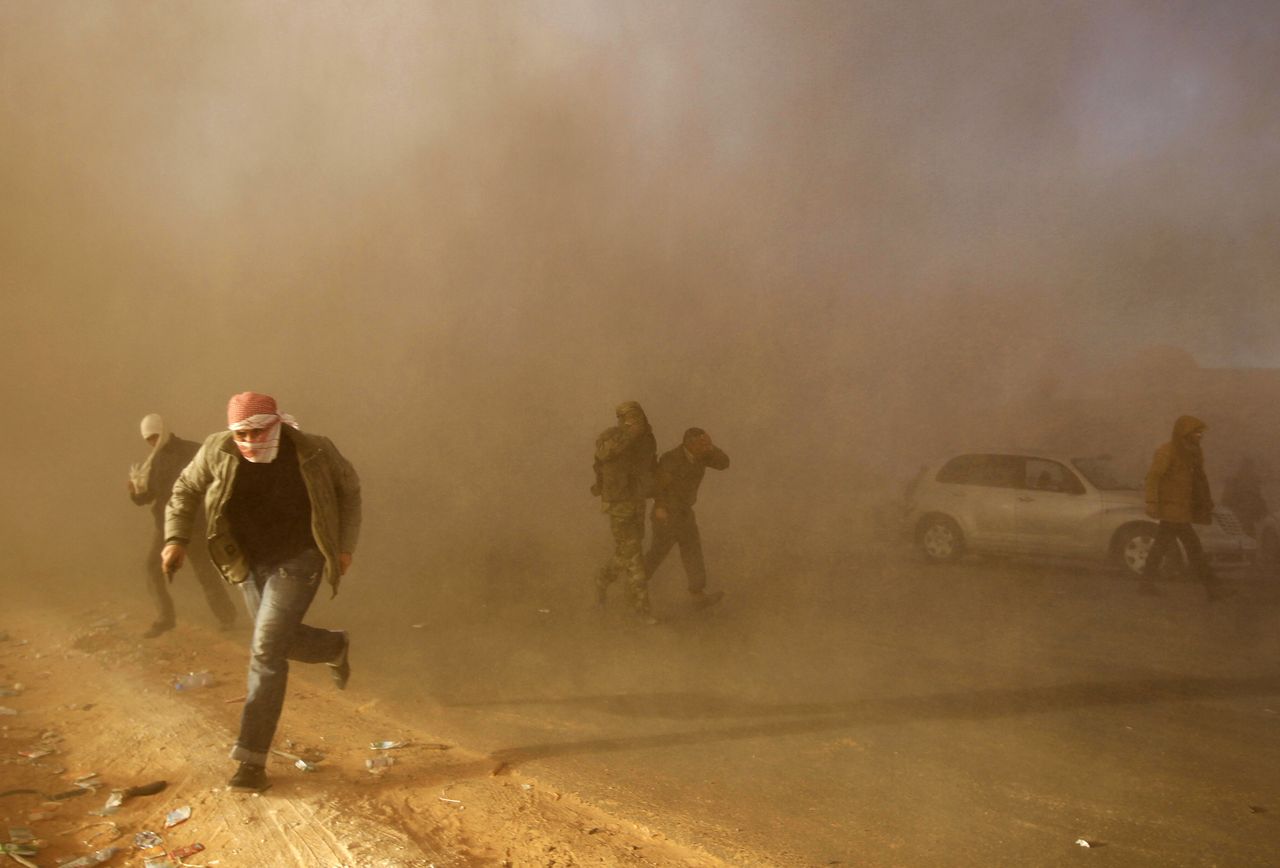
x,y
1033,503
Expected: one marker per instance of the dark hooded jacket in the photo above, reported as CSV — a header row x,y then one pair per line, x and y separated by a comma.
x,y
165,467
1177,487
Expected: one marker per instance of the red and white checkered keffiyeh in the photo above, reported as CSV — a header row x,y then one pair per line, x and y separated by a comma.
x,y
257,413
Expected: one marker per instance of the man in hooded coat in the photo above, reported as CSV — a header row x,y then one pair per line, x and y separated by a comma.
x,y
1178,496
151,482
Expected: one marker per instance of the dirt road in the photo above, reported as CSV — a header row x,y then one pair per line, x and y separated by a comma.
x,y
875,712
95,704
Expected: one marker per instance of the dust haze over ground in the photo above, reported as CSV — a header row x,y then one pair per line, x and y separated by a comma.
x,y
452,237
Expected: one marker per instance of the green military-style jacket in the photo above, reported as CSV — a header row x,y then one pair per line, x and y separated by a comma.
x,y
332,485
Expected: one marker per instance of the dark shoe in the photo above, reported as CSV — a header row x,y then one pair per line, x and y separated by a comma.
x,y
706,601
341,670
249,777
157,628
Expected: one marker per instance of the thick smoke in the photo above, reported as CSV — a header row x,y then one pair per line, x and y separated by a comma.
x,y
842,237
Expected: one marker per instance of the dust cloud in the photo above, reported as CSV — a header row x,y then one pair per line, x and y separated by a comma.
x,y
842,237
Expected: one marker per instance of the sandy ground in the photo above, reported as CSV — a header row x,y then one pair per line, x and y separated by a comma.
x,y
94,699
868,712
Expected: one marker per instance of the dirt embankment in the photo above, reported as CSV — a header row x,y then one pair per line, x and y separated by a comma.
x,y
95,704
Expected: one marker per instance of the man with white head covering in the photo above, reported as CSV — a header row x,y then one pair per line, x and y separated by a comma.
x,y
151,482
284,515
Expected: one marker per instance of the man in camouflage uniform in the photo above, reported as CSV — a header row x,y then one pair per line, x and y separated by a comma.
x,y
625,460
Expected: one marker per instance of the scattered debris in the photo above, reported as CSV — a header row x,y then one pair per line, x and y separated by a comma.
x,y
119,796
95,858
387,745
1257,809
189,850
176,816
6,710
378,763
304,765
19,852
146,839
113,830
1085,842
192,680
88,782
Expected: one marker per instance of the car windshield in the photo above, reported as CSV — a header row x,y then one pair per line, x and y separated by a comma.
x,y
1102,475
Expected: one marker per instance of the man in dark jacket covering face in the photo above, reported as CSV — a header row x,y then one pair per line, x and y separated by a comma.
x,y
151,482
680,472
1178,496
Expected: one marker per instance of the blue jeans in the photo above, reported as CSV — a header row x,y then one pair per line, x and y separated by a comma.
x,y
277,599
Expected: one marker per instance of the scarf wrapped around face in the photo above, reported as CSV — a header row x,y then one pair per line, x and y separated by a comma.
x,y
255,412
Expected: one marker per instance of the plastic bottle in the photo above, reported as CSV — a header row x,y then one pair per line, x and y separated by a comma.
x,y
193,679
379,762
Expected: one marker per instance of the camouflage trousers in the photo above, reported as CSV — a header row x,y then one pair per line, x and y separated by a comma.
x,y
626,521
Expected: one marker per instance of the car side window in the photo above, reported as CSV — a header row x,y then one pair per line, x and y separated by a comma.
x,y
992,471
1043,475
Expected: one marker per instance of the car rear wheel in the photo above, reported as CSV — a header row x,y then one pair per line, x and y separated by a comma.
x,y
941,539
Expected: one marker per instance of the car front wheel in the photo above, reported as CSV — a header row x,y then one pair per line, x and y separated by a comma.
x,y
941,539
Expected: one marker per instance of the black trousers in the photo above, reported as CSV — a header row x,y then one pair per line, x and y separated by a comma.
x,y
1166,534
211,582
680,528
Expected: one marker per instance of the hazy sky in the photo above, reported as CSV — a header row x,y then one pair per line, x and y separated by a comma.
x,y
454,235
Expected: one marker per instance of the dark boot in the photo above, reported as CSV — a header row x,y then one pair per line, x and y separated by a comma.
x,y
249,777
157,628
340,671
702,600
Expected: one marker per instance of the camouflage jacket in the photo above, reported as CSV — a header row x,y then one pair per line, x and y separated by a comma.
x,y
625,463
